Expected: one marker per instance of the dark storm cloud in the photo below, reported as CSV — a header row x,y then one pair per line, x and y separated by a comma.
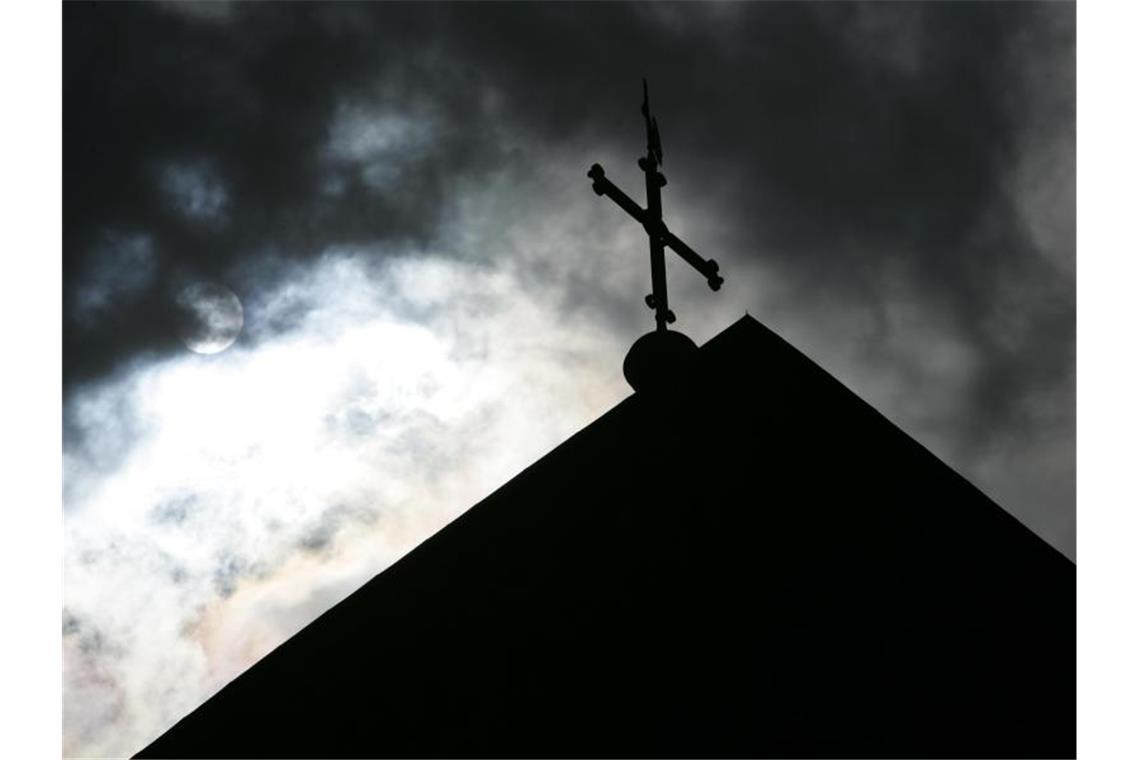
x,y
855,134
208,134
869,154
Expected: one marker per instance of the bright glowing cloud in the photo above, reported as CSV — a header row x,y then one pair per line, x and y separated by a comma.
x,y
249,494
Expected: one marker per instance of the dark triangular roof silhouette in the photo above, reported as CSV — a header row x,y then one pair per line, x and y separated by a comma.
x,y
751,562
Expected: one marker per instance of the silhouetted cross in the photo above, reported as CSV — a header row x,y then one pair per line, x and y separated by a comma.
x,y
659,234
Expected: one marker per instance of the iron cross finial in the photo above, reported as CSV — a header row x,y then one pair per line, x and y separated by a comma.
x,y
659,235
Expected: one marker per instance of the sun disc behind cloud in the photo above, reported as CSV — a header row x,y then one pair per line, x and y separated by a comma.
x,y
210,316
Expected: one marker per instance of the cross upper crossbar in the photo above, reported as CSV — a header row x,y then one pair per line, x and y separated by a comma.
x,y
650,218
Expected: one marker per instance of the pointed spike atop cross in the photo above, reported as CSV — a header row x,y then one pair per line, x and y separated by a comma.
x,y
653,141
650,218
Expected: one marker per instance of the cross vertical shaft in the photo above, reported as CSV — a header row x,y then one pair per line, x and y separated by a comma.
x,y
654,181
660,298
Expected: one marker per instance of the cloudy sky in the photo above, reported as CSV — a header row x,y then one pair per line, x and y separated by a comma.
x,y
333,273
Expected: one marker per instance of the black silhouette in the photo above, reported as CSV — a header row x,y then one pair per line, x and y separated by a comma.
x,y
750,562
650,218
